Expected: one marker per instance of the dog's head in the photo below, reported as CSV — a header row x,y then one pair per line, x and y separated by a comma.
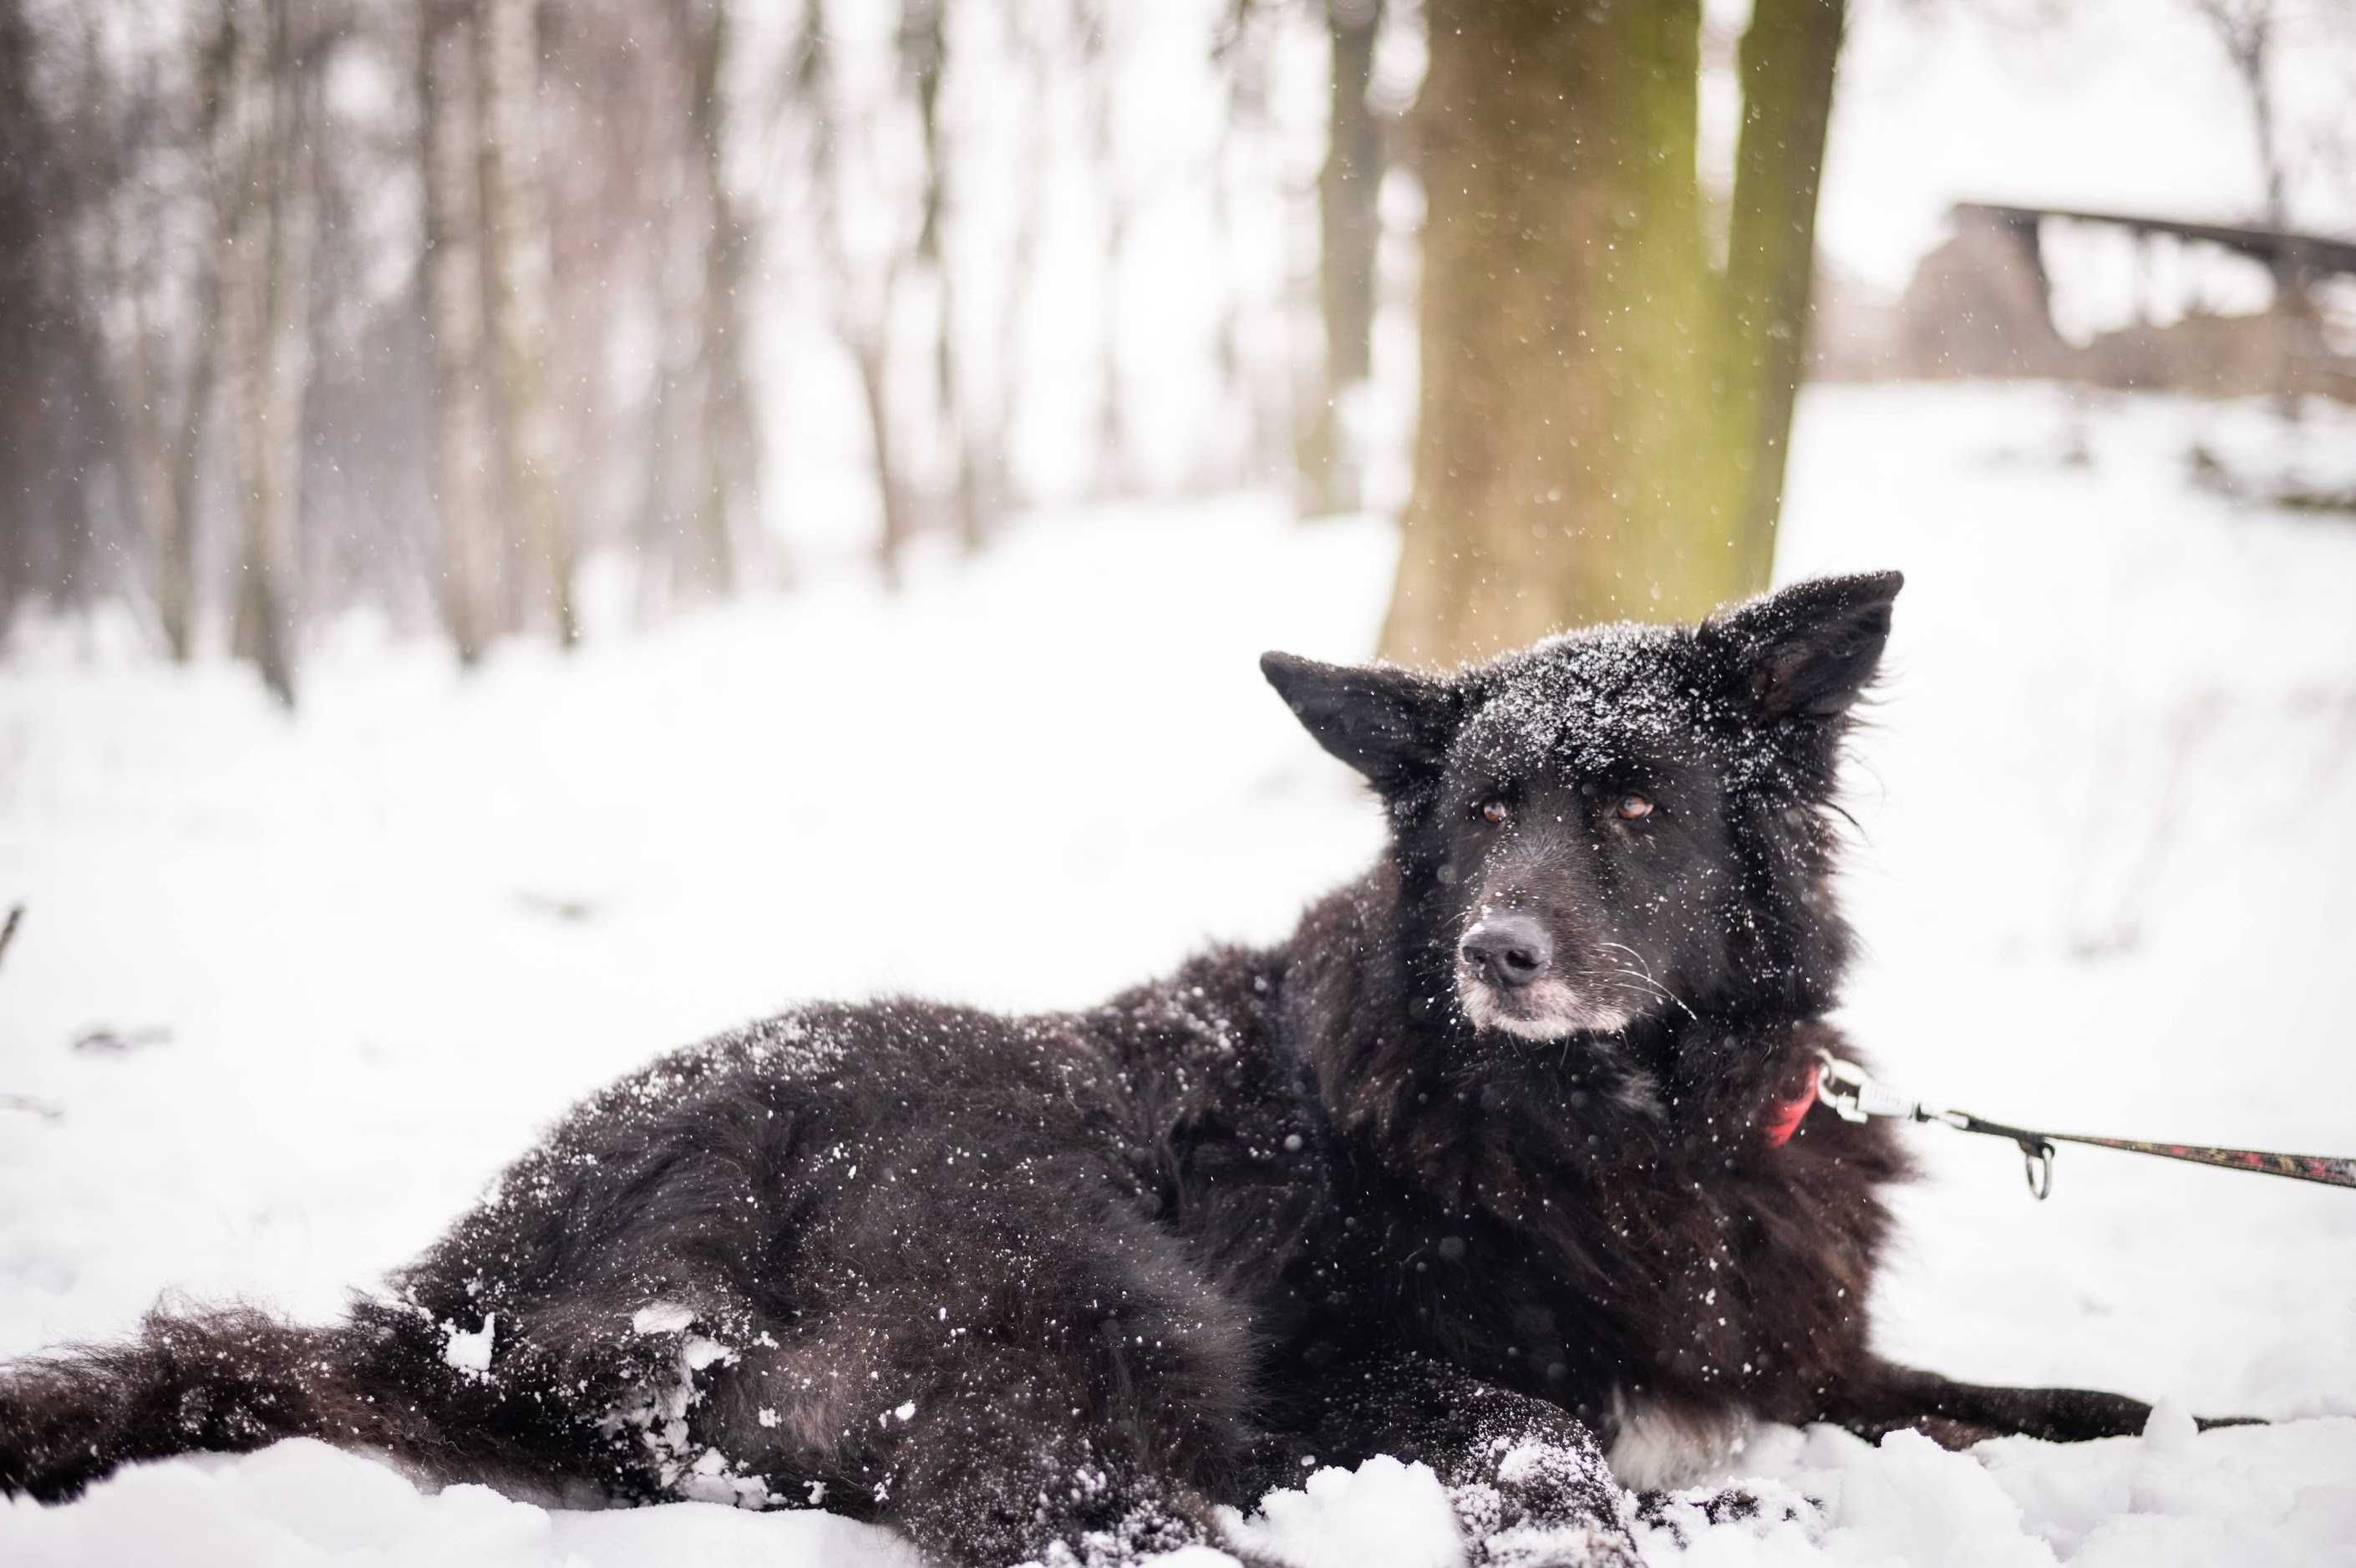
x,y
1618,824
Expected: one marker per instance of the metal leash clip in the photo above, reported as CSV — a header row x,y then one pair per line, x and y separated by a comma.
x,y
1855,1097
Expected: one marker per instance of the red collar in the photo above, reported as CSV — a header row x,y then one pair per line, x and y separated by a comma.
x,y
1783,1116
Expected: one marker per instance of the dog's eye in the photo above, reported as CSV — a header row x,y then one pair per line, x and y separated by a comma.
x,y
1494,812
1634,809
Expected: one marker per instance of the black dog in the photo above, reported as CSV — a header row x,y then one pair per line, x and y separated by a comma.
x,y
1504,1160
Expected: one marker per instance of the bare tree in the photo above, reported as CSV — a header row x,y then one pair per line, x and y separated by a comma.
x,y
515,225
450,280
701,471
1350,236
52,419
264,270
864,294
2251,34
990,419
1788,55
1256,355
726,459
2248,31
924,62
162,356
26,292
166,448
1093,23
248,383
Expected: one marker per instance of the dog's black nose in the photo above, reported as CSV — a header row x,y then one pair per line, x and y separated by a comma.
x,y
1509,949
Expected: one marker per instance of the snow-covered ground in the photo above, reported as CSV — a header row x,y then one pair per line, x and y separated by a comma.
x,y
2107,871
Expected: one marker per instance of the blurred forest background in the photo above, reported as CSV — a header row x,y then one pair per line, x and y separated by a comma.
x,y
524,318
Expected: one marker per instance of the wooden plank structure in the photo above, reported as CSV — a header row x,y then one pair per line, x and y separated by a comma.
x,y
1982,303
2304,255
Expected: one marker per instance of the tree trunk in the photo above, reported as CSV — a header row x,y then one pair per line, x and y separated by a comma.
x,y
862,315
288,378
27,301
165,451
511,542
1349,235
995,414
1095,19
968,505
167,466
721,458
244,243
1564,325
516,227
451,282
871,357
2293,329
1116,475
177,557
265,313
1604,415
150,378
1789,53
924,61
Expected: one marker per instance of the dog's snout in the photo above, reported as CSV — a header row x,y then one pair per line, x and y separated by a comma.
x,y
1512,949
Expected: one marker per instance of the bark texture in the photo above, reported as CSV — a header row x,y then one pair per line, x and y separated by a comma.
x,y
450,280
726,474
1349,237
924,61
265,269
515,224
1595,392
165,451
1789,54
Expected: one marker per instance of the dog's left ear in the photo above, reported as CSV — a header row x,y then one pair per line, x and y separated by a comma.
x,y
1391,724
1808,650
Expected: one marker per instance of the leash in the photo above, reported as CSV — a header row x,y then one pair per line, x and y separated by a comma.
x,y
1855,1097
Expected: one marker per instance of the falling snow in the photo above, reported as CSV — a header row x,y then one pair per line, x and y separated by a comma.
x,y
2102,840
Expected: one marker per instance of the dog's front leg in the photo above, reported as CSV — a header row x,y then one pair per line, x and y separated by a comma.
x,y
1528,1479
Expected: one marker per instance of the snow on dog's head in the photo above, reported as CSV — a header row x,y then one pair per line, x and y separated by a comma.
x,y
1619,823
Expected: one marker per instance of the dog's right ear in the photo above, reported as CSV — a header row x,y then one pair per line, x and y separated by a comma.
x,y
1391,724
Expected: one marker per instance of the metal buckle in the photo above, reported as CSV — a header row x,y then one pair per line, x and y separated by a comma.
x,y
1839,1084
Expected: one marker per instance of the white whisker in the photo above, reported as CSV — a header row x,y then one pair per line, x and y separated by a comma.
x,y
1643,974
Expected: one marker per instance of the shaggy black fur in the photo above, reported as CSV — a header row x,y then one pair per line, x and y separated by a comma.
x,y
1034,1286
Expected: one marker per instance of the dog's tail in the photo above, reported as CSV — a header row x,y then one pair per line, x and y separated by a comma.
x,y
212,1381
